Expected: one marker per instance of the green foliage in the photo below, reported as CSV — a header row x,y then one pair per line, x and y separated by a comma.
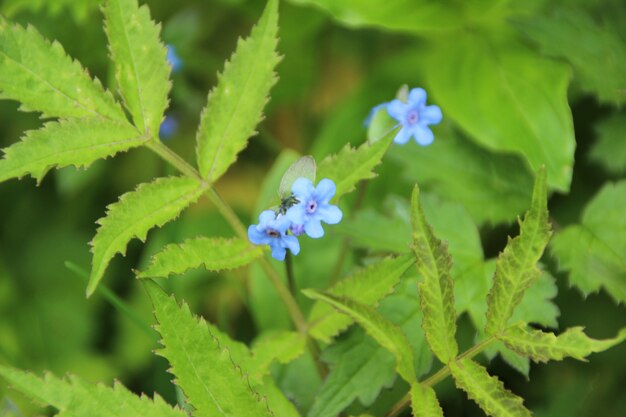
x,y
75,397
382,330
437,288
594,251
214,254
212,381
370,284
350,165
544,346
424,401
610,147
516,267
236,104
508,99
135,213
371,230
486,390
598,57
282,347
141,68
43,78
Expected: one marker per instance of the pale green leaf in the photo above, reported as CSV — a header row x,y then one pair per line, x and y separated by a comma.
x,y
368,285
594,251
508,99
77,142
437,288
486,390
516,267
139,57
214,254
205,370
598,57
135,213
74,397
424,401
350,165
379,328
41,76
282,347
235,105
610,147
544,346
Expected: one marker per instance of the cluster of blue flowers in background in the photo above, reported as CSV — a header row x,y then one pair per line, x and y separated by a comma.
x,y
300,213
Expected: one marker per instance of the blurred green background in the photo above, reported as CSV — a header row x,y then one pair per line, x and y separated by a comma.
x,y
337,65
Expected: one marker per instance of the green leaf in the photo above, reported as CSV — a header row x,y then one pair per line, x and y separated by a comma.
x,y
437,288
206,371
486,390
594,251
543,346
507,98
74,397
350,165
373,231
43,78
214,254
598,58
516,267
379,328
141,67
282,347
369,285
610,148
135,213
456,168
77,142
235,105
424,401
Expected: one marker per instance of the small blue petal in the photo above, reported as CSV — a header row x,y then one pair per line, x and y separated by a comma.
x,y
281,224
296,213
168,127
325,190
302,188
403,136
266,217
313,229
330,214
292,243
397,109
431,115
173,59
278,252
257,237
417,96
423,135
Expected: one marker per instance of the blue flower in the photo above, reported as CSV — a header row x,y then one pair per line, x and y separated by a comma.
x,y
313,207
168,127
272,231
414,116
173,59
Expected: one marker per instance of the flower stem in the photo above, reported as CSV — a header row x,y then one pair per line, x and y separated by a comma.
x,y
291,278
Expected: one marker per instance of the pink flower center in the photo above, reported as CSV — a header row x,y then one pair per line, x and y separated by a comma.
x,y
412,117
311,206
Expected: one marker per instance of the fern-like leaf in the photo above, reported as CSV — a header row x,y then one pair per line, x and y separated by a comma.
x,y
212,381
437,288
544,346
215,254
486,390
350,165
139,57
76,398
77,142
135,213
387,334
516,267
235,105
369,285
41,76
424,401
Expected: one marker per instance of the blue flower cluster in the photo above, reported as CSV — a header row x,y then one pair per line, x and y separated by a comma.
x,y
302,212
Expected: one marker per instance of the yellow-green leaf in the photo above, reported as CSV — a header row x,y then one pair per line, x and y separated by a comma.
x,y
424,401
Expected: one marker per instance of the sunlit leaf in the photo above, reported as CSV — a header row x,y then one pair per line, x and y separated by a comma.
x,y
424,401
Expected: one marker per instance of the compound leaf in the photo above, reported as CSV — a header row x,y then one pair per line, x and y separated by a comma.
x,y
214,254
205,370
141,67
544,346
41,76
370,285
437,288
387,334
135,213
486,390
424,401
516,267
67,142
235,105
350,165
75,397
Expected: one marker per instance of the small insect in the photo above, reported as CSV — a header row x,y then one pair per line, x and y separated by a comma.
x,y
286,203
